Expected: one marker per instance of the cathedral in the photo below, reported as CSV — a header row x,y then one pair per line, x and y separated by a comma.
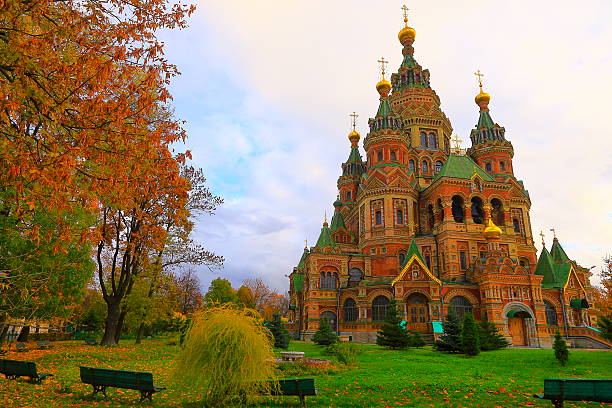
x,y
436,228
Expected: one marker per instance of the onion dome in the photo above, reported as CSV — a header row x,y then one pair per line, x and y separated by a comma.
x,y
482,98
354,136
407,34
492,231
383,87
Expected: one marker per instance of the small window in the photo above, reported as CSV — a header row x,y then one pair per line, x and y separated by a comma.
x,y
463,260
380,156
516,225
393,156
399,216
423,139
428,261
373,251
348,195
438,166
502,166
432,143
401,257
488,167
378,217
383,250
411,165
425,167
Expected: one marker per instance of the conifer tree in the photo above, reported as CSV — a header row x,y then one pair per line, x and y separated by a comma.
x,y
561,351
490,337
416,340
392,334
325,335
281,335
470,341
450,341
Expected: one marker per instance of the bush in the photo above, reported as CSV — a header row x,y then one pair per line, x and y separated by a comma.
x,y
416,340
490,337
226,353
470,341
325,335
391,334
450,341
281,335
346,353
605,325
561,351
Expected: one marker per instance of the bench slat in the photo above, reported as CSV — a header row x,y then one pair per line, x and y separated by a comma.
x,y
116,378
578,390
300,386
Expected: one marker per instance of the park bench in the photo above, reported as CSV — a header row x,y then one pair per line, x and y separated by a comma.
x,y
43,345
300,387
291,355
13,369
101,378
90,342
21,347
576,390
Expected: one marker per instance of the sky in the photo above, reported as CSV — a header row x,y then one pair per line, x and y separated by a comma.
x,y
267,87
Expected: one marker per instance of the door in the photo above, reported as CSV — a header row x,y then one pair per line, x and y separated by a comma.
x,y
417,313
516,325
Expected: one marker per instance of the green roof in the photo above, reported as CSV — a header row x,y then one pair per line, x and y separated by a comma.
x,y
409,61
484,120
384,109
298,282
413,250
337,221
462,167
545,268
325,238
302,263
354,156
557,252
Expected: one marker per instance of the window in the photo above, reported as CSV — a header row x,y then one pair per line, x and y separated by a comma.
x,y
432,143
488,167
440,209
459,306
425,167
516,225
399,217
378,217
380,156
497,211
411,165
355,276
329,280
383,250
438,166
502,166
431,219
457,207
379,308
415,272
423,140
349,311
393,156
331,318
401,257
373,251
463,260
551,314
477,211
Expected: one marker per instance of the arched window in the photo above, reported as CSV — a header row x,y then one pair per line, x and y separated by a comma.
x,y
379,308
355,276
380,156
331,318
477,211
440,209
488,167
457,207
423,139
401,258
551,314
438,166
459,306
430,216
378,217
425,166
393,155
329,280
411,165
502,166
432,141
516,225
497,211
399,217
349,311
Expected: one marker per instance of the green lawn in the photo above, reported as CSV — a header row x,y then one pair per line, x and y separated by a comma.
x,y
382,378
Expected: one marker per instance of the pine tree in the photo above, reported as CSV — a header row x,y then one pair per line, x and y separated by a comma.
x,y
470,340
450,341
490,337
561,351
416,340
605,325
281,335
325,335
391,333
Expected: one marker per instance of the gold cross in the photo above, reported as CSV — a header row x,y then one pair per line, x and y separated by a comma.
x,y
383,62
542,235
479,75
554,233
405,14
306,243
457,142
354,116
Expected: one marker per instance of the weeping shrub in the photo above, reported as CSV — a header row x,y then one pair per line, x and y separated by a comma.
x,y
226,354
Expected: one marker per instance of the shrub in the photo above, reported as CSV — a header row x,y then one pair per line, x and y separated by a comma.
x,y
490,337
605,325
226,353
561,351
325,335
281,335
392,334
346,353
416,340
470,341
450,341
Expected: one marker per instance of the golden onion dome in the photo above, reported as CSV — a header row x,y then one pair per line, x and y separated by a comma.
x,y
354,135
383,87
406,33
492,231
482,98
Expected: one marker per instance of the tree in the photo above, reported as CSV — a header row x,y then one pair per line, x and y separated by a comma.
x,y
603,299
605,325
90,314
325,336
219,292
281,335
245,297
391,334
416,340
470,341
189,294
560,347
450,341
267,301
490,337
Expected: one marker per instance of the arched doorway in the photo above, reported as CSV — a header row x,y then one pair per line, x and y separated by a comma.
x,y
331,318
517,327
417,312
459,306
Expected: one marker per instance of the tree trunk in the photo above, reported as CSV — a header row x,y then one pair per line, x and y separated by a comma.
x,y
120,326
23,334
111,323
139,333
3,333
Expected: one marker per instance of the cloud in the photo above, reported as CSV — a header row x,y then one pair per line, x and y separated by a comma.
x,y
267,87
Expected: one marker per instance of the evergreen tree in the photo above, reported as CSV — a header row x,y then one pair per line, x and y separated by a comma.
x,y
450,341
281,335
561,351
392,334
325,335
605,325
470,340
416,340
490,337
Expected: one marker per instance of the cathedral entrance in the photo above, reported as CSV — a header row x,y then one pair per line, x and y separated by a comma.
x,y
417,313
517,328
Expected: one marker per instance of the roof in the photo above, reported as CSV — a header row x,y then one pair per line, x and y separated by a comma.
x,y
325,238
337,221
354,156
302,263
384,109
557,252
462,167
545,268
413,250
484,120
298,282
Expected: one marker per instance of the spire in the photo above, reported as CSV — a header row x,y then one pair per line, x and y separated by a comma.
x,y
302,263
557,252
545,268
325,238
383,86
413,250
337,221
354,164
486,129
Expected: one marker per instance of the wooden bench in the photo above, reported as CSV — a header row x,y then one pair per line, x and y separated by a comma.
x,y
43,345
300,387
576,390
90,342
13,369
101,378
20,347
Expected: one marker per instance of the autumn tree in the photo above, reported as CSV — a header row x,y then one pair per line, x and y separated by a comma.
x,y
267,301
245,297
603,299
188,292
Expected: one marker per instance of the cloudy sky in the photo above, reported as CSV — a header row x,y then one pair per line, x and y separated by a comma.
x,y
267,87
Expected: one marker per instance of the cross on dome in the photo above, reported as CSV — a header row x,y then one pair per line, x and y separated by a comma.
x,y
383,62
405,14
479,75
354,117
457,141
542,235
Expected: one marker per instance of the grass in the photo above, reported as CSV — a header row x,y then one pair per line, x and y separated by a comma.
x,y
381,378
